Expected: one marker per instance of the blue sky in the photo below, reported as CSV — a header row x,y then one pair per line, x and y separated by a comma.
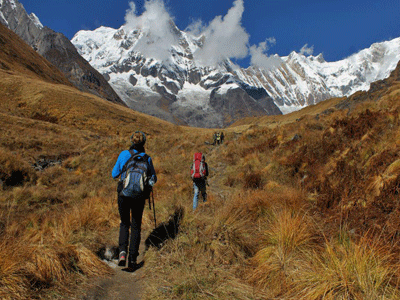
x,y
335,28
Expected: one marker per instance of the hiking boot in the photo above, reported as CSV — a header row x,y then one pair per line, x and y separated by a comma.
x,y
122,259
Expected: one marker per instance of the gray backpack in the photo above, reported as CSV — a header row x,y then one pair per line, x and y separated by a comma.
x,y
135,183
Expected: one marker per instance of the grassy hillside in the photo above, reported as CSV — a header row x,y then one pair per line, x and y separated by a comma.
x,y
302,206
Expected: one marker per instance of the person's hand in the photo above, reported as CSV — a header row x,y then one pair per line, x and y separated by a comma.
x,y
151,181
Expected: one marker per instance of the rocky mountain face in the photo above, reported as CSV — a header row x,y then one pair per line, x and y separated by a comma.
x,y
177,89
57,49
378,89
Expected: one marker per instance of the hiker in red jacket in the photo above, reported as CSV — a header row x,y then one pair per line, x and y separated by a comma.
x,y
199,173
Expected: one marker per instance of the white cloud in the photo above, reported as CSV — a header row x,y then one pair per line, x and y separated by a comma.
x,y
305,50
155,23
131,20
271,41
260,58
224,37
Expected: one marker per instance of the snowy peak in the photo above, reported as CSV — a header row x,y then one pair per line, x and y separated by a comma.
x,y
319,58
36,20
11,3
182,77
302,81
168,82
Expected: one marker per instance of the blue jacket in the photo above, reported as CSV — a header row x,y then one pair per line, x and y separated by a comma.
x,y
123,157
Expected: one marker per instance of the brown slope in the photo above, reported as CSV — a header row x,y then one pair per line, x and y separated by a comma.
x,y
17,57
32,98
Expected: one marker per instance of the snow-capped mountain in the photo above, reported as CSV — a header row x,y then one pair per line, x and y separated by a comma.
x,y
301,81
180,88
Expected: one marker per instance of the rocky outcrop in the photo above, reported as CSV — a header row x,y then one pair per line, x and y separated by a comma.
x,y
17,56
235,104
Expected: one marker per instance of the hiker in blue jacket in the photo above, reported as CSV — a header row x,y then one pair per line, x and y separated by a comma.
x,y
131,205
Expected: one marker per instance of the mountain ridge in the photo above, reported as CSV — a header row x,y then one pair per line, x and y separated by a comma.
x,y
180,88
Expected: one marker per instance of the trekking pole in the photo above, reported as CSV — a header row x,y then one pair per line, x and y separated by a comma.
x,y
154,209
150,199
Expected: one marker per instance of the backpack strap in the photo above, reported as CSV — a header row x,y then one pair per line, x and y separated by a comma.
x,y
133,156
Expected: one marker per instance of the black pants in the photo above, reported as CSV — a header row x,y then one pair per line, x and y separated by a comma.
x,y
130,206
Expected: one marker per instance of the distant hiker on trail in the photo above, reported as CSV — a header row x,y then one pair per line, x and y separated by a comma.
x,y
199,173
218,138
137,178
222,137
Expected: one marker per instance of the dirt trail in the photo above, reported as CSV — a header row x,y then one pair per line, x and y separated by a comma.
x,y
217,169
120,286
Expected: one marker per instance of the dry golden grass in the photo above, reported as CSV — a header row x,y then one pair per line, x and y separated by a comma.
x,y
16,57
287,236
348,270
276,121
283,195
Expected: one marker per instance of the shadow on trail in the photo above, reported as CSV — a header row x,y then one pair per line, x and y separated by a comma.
x,y
164,231
134,268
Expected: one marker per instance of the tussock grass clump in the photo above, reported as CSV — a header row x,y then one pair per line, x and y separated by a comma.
x,y
50,250
287,238
211,256
349,270
13,283
197,263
